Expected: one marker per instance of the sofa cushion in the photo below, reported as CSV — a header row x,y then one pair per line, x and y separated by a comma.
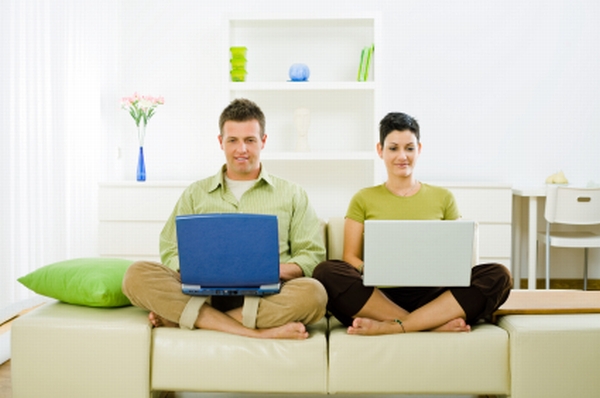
x,y
335,238
210,361
94,282
420,363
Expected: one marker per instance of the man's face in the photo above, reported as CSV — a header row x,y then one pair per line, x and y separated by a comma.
x,y
242,144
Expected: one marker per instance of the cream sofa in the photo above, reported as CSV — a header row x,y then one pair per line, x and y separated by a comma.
x,y
62,350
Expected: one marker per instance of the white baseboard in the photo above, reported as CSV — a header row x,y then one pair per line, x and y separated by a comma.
x,y
9,312
4,347
12,310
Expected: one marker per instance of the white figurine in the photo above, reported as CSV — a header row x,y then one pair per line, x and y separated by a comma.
x,y
302,123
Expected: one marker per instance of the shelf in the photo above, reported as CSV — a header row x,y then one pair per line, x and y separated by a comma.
x,y
330,47
146,184
297,19
301,86
355,155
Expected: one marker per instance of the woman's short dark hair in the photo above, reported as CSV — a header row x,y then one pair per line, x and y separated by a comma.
x,y
242,110
398,121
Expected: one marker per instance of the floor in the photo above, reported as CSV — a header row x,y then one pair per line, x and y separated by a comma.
x,y
226,395
5,384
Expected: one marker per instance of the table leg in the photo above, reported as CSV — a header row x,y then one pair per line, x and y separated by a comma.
x,y
517,236
532,243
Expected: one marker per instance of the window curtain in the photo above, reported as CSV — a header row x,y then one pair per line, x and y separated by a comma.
x,y
58,105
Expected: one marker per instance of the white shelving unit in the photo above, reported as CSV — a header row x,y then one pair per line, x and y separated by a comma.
x,y
343,112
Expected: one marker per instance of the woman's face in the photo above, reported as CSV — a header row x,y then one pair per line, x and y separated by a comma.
x,y
400,153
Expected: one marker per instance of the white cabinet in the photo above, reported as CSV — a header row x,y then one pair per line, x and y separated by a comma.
x,y
342,133
132,214
491,206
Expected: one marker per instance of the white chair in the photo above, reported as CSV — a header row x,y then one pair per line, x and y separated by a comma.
x,y
571,206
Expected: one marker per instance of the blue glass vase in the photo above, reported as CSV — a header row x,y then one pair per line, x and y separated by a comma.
x,y
141,166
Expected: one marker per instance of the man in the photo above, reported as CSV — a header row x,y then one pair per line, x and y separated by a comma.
x,y
242,185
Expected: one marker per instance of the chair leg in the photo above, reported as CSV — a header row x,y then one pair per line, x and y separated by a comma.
x,y
585,269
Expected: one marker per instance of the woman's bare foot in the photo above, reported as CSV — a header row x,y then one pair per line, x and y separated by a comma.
x,y
292,330
455,325
371,327
158,321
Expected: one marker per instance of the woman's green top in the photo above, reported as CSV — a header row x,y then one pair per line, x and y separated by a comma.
x,y
378,203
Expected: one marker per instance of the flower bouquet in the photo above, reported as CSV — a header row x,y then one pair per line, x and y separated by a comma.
x,y
141,108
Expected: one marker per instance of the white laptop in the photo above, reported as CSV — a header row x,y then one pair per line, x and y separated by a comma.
x,y
419,253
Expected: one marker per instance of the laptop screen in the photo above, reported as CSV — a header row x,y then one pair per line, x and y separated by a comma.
x,y
228,250
418,253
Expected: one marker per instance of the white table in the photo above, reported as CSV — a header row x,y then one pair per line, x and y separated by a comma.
x,y
527,231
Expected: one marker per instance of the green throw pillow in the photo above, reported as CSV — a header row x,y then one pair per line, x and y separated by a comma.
x,y
95,282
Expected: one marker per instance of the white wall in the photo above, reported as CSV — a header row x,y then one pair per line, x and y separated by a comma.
x,y
504,90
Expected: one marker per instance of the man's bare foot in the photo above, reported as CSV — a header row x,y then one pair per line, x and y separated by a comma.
x,y
371,327
236,314
158,321
455,325
292,330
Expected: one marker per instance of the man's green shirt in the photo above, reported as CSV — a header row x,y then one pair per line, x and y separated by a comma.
x,y
300,237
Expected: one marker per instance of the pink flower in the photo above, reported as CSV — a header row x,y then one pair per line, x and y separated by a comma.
x,y
141,107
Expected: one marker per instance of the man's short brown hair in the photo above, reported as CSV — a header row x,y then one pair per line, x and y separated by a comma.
x,y
242,110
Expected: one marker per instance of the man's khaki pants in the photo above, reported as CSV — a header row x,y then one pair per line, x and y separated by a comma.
x,y
156,288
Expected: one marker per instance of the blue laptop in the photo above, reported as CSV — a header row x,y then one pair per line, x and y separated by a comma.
x,y
228,254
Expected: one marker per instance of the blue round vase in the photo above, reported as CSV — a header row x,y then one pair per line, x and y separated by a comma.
x,y
299,73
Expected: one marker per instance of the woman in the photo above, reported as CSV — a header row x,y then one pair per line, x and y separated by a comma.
x,y
371,310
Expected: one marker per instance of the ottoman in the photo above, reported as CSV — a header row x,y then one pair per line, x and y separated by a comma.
x,y
554,356
61,350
